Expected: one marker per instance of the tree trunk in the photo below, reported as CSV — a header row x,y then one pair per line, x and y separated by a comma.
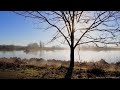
x,y
71,57
70,69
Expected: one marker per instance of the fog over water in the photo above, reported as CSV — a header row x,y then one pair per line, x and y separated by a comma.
x,y
109,56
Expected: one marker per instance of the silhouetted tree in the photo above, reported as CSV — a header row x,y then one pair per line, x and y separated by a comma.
x,y
80,27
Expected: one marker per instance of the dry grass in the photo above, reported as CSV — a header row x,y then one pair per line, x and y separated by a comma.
x,y
15,68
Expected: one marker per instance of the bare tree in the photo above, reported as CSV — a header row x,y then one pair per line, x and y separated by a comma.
x,y
80,27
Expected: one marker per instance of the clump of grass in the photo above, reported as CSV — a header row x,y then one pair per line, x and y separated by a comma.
x,y
118,63
96,71
30,72
6,65
102,61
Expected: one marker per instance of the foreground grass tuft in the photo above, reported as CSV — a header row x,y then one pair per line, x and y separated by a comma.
x,y
96,71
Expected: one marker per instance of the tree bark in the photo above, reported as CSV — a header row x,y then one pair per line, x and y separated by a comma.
x,y
70,68
71,57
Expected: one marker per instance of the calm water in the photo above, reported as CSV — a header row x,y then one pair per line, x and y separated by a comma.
x,y
109,56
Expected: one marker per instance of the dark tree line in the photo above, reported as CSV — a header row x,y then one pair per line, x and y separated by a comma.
x,y
11,47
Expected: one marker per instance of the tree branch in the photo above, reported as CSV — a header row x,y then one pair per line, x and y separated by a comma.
x,y
55,27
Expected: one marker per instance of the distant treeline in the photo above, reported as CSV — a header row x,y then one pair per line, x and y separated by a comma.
x,y
35,46
31,46
11,47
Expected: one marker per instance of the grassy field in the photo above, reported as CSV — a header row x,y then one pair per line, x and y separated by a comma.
x,y
15,68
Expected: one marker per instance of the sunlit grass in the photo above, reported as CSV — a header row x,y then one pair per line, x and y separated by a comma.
x,y
53,69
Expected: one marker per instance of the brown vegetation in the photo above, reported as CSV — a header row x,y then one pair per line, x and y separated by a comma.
x,y
16,68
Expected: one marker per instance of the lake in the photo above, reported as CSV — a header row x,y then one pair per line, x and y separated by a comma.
x,y
109,56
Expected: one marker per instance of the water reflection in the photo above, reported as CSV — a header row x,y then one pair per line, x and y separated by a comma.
x,y
109,56
39,53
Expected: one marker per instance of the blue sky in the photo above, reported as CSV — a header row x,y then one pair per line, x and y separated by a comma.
x,y
17,30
